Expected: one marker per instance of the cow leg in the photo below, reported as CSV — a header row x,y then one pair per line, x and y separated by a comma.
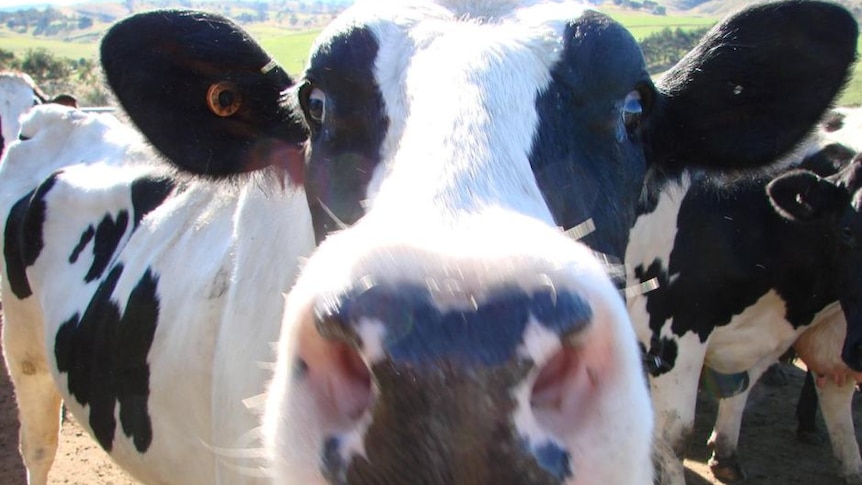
x,y
724,462
724,440
806,412
674,397
38,399
835,404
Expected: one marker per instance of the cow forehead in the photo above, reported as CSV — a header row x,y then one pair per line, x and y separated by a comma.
x,y
457,83
442,15
457,30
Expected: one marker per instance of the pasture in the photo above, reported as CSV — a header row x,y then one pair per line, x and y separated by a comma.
x,y
290,48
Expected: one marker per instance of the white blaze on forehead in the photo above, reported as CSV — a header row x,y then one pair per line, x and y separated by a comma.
x,y
460,91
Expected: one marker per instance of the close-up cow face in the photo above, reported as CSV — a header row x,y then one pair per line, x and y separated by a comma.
x,y
445,329
550,89
454,333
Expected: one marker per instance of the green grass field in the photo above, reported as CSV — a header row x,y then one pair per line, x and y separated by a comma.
x,y
291,48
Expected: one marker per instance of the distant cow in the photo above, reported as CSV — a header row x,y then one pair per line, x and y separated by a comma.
x,y
445,330
825,204
744,267
18,93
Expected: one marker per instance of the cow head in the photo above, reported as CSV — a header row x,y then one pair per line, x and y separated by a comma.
x,y
451,333
831,206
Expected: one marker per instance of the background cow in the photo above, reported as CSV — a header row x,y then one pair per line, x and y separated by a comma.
x,y
453,316
827,209
18,93
739,282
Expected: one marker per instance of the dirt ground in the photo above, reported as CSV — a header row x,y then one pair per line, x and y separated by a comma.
x,y
768,444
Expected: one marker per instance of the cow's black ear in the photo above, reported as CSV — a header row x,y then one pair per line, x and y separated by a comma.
x,y
202,91
754,87
802,195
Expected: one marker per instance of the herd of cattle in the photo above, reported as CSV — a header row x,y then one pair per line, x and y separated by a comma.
x,y
474,243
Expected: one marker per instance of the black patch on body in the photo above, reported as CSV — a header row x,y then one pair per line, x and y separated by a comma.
x,y
445,402
104,354
86,237
109,233
13,248
24,240
345,148
148,193
33,224
732,248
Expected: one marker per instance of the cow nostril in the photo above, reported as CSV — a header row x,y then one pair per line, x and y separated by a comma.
x,y
352,395
555,378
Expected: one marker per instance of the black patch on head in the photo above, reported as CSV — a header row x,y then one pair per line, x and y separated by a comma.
x,y
587,163
147,194
13,248
555,460
417,333
2,141
443,414
104,354
345,148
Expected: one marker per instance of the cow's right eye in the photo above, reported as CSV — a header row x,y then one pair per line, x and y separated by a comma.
x,y
317,105
23,138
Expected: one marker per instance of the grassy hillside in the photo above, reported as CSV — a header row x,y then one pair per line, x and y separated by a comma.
x,y
289,45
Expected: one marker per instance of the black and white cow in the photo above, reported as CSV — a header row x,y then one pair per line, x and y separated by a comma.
x,y
743,268
18,93
450,333
826,207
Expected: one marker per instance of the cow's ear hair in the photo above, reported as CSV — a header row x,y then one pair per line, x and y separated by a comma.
x,y
754,86
202,91
802,195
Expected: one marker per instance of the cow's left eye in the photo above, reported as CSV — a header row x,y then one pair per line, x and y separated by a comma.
x,y
317,105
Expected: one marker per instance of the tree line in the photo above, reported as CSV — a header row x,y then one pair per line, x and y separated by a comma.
x,y
59,75
83,77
